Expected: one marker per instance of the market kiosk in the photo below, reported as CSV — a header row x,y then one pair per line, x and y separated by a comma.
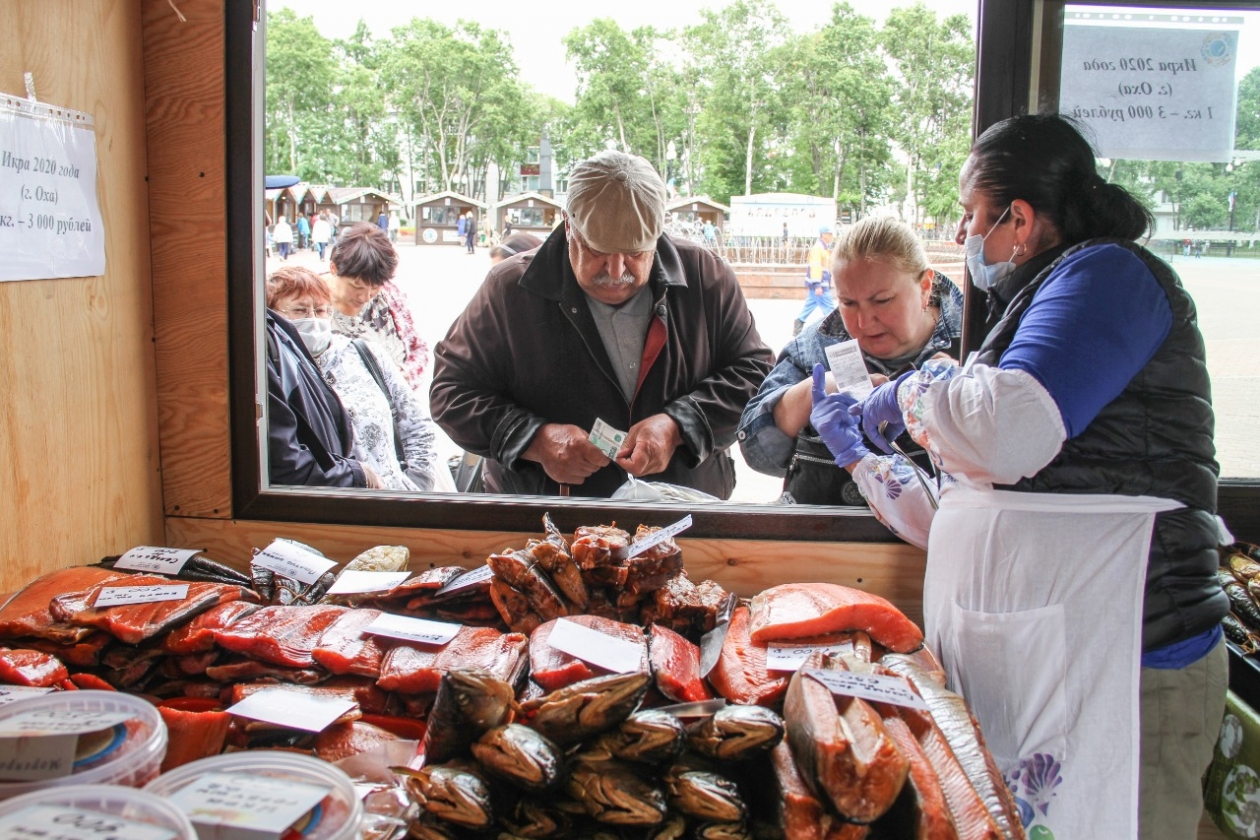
x,y
530,212
437,217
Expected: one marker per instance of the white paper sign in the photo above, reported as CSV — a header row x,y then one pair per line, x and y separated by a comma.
x,y
877,688
1161,90
56,822
848,368
792,657
117,596
292,709
14,693
467,579
413,629
621,656
658,537
162,561
227,806
607,439
50,221
356,581
285,558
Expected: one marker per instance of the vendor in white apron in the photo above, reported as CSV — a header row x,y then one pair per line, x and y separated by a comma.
x,y
1070,586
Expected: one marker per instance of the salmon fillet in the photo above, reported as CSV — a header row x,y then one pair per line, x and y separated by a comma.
x,y
740,674
280,635
193,735
30,667
418,669
368,698
795,610
802,816
197,636
345,649
27,614
676,666
920,811
135,623
553,669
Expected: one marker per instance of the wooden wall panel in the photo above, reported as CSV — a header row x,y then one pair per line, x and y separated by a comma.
x,y
183,77
78,429
893,570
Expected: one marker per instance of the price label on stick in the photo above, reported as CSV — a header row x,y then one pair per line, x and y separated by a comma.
x,y
658,537
413,629
357,581
849,369
117,596
621,656
877,688
607,439
293,561
155,559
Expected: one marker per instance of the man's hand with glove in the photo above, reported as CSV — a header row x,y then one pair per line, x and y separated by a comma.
x,y
838,428
880,408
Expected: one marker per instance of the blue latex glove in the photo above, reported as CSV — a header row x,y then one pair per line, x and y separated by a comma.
x,y
880,408
838,428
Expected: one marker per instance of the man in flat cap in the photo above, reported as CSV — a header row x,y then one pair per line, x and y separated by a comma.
x,y
609,320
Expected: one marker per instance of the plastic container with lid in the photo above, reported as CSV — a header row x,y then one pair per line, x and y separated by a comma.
x,y
129,753
134,806
338,816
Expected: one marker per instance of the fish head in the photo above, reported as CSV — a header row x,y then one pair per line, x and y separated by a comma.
x,y
520,754
614,795
613,698
650,735
736,731
458,796
483,699
704,795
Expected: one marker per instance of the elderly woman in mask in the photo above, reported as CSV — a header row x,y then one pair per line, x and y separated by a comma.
x,y
393,434
1070,588
900,312
369,305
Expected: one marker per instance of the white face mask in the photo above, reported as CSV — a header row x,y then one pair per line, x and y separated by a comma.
x,y
316,333
983,275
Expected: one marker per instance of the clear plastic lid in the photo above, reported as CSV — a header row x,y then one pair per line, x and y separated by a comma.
x,y
128,752
140,810
337,816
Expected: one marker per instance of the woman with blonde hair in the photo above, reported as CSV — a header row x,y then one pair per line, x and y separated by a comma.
x,y
900,311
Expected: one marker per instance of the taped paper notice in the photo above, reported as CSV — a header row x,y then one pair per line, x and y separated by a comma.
x,y
620,656
50,220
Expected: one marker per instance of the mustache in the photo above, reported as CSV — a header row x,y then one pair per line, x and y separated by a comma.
x,y
606,279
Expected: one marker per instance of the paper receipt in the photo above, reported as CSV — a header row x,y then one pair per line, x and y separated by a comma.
x,y
849,369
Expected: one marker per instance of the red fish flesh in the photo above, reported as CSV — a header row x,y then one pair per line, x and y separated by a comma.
x,y
596,546
676,666
554,669
802,816
367,697
418,669
27,614
193,734
796,610
135,623
921,811
740,674
342,740
280,635
30,667
197,636
346,649
83,653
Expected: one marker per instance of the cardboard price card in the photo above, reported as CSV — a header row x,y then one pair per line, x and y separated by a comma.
x,y
155,559
57,822
356,582
14,693
479,575
658,537
792,657
239,807
621,656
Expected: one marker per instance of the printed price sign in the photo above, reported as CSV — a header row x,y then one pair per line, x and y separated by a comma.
x,y
413,629
658,537
285,558
292,709
621,656
117,596
467,579
227,806
155,559
607,439
876,688
849,369
57,822
792,657
355,582
44,744
14,693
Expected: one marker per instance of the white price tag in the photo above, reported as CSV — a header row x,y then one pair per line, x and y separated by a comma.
x,y
607,439
621,656
467,579
117,596
56,822
241,807
848,368
285,558
877,688
44,744
355,582
658,537
413,629
792,657
155,559
292,709
14,693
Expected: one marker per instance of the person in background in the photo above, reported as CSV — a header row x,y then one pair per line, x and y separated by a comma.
x,y
817,279
393,434
394,225
303,231
470,233
382,221
610,319
461,225
1079,498
320,233
282,234
709,230
513,245
369,304
507,229
901,313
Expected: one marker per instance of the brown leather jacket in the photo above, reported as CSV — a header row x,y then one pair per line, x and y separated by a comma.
x,y
526,352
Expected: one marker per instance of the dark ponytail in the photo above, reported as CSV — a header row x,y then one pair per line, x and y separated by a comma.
x,y
1044,160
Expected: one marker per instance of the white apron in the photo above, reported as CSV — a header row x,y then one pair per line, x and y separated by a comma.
x,y
1034,603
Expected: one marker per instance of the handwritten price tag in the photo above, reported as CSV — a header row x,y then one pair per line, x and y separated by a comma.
x,y
292,709
293,561
658,537
467,579
238,807
355,582
155,559
621,656
55,822
792,657
117,596
413,629
874,687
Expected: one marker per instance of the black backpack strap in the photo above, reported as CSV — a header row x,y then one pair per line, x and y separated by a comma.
x,y
373,366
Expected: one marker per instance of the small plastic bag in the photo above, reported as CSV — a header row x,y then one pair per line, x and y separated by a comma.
x,y
660,491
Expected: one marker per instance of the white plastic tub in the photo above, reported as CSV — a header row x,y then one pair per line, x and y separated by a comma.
x,y
134,806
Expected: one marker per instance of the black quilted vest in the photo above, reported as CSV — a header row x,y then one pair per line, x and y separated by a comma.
x,y
1155,439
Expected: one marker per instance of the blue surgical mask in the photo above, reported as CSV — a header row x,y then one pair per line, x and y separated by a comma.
x,y
984,275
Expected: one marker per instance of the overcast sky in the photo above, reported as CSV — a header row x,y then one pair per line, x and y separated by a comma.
x,y
536,28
